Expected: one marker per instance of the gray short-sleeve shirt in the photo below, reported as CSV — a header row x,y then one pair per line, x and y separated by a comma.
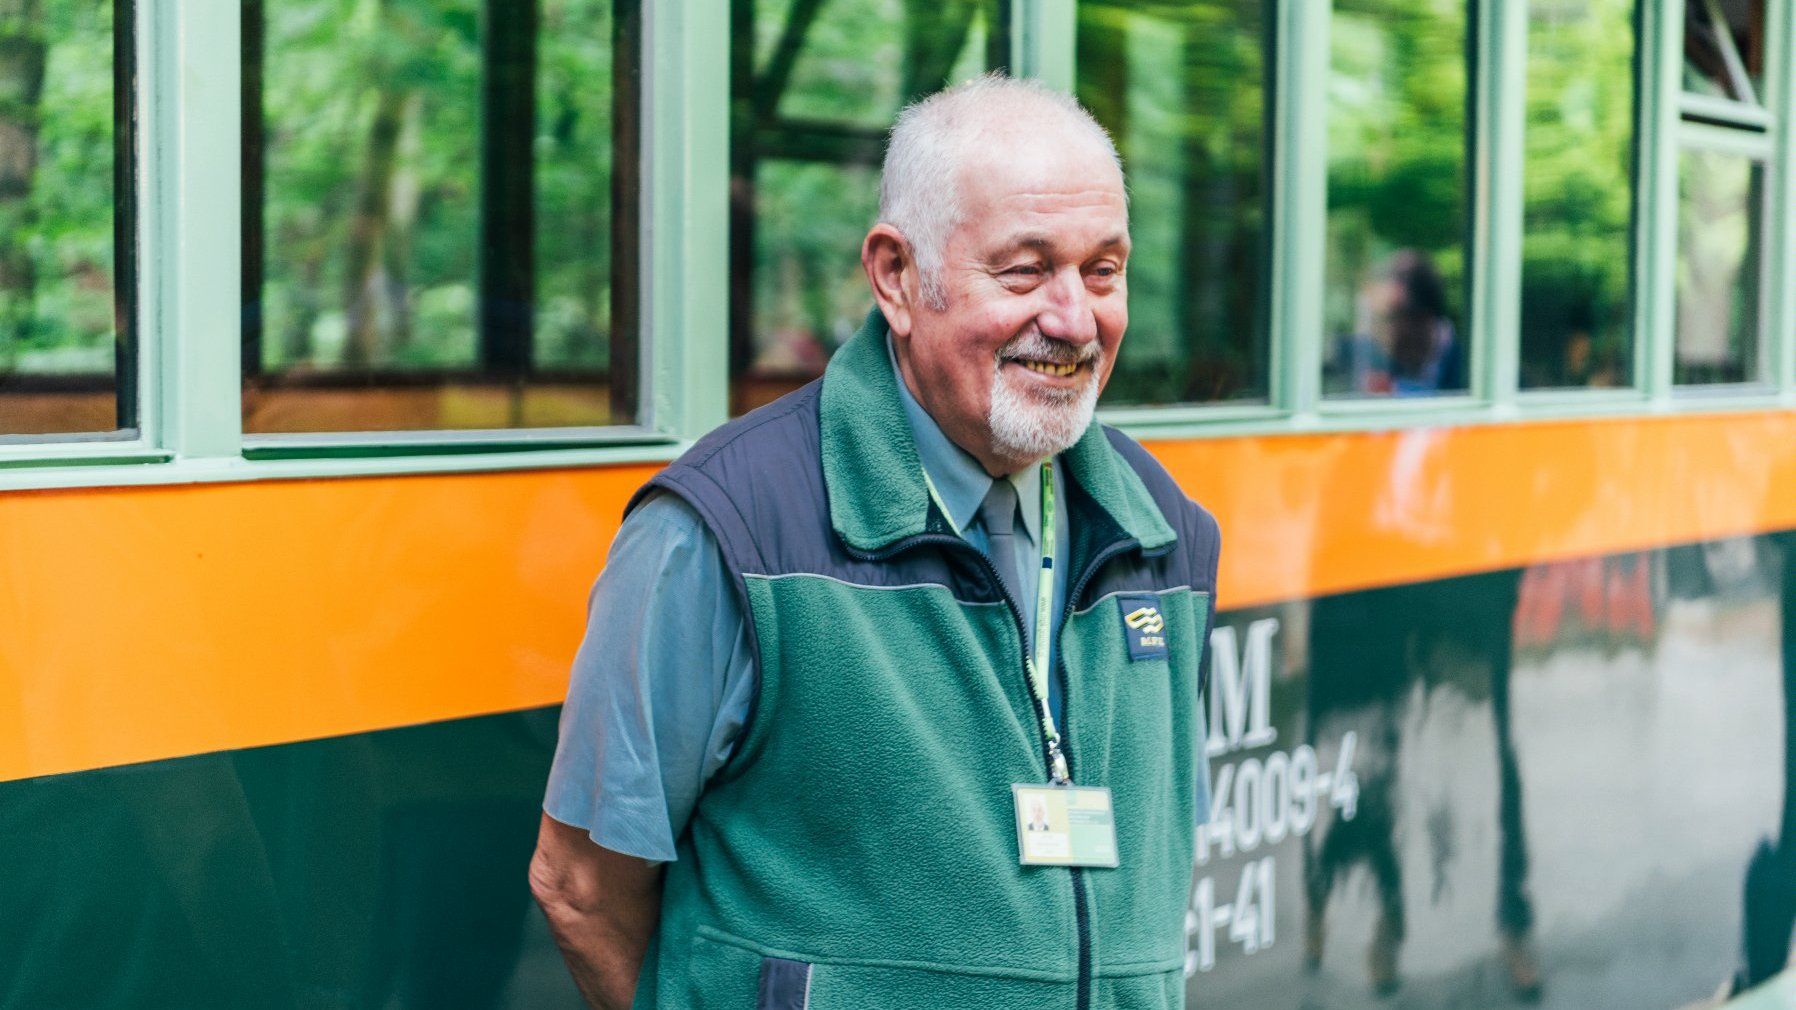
x,y
664,680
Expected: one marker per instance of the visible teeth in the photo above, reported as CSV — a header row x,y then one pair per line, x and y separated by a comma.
x,y
1050,368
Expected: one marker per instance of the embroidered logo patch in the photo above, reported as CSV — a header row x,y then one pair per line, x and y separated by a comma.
x,y
1143,627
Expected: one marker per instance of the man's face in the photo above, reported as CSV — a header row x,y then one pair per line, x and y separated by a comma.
x,y
1036,305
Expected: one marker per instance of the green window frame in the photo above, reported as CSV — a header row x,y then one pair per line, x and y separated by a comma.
x,y
69,301
188,236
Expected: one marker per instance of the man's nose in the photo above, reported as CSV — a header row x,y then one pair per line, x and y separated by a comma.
x,y
1068,314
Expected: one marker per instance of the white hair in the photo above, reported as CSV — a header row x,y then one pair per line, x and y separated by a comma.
x,y
919,187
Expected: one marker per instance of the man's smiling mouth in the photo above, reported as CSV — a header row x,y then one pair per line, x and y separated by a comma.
x,y
1048,367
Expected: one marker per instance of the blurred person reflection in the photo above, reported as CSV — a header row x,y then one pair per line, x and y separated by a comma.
x,y
1451,631
1770,890
1403,342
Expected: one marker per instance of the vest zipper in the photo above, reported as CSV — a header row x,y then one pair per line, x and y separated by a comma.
x,y
1082,925
1076,876
1081,909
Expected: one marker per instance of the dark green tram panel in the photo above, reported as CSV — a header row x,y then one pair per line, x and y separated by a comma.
x,y
1568,784
1554,786
375,870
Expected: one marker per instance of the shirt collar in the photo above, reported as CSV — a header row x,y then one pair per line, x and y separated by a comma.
x,y
871,466
959,479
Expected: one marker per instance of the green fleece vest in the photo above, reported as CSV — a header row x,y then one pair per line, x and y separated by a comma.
x,y
859,849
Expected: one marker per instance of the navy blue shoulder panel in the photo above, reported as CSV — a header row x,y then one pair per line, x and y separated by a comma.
x,y
765,462
758,483
1192,560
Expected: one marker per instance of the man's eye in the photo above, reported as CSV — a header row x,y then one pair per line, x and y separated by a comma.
x,y
1025,270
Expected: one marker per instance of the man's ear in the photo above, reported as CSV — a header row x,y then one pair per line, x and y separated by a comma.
x,y
892,273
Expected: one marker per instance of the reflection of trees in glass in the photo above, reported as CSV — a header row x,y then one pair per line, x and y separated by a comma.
x,y
1180,87
810,293
21,36
56,187
837,57
373,189
573,183
815,85
369,225
1397,141
1578,193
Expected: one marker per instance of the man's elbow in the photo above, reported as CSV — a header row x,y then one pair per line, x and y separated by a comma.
x,y
573,877
559,891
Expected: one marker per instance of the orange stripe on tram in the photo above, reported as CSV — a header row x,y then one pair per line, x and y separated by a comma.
x,y
1308,515
145,623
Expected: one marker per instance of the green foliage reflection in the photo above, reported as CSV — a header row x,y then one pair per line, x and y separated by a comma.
x,y
1181,88
373,153
56,188
1397,206
815,85
1578,194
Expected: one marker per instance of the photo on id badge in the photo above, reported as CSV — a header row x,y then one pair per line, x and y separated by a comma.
x,y
1064,826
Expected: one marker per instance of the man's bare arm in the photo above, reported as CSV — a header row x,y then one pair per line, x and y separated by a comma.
x,y
602,907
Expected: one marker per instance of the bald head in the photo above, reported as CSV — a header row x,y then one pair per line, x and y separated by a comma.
x,y
988,122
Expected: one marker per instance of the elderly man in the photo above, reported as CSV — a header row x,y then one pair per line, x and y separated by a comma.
x,y
851,645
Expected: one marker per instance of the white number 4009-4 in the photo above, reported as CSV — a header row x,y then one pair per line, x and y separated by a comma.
x,y
1265,801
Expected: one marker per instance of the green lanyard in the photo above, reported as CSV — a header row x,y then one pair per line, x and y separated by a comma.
x,y
1044,627
1038,665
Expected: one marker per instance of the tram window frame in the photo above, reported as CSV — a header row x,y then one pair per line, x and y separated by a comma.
x,y
1418,269
188,191
504,351
1745,126
1224,350
1628,380
1756,152
775,135
130,373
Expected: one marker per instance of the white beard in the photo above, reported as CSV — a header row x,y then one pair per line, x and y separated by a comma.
x,y
1033,425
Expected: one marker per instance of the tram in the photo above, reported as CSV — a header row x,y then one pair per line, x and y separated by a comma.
x,y
336,334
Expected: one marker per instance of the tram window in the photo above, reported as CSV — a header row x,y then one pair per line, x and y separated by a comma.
x,y
1182,89
1395,294
1721,194
814,87
1578,194
1724,49
66,228
440,221
1720,240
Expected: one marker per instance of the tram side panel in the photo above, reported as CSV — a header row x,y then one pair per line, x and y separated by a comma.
x,y
1569,784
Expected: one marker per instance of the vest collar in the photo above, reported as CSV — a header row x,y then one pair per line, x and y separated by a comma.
x,y
875,477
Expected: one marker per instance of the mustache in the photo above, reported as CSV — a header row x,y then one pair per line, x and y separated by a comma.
x,y
1036,347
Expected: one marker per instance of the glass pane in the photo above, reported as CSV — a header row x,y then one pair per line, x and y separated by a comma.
x,y
65,219
1724,49
440,217
1578,203
1720,236
1182,89
812,98
1394,302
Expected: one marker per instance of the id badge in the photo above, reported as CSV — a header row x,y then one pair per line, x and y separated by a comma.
x,y
1064,825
